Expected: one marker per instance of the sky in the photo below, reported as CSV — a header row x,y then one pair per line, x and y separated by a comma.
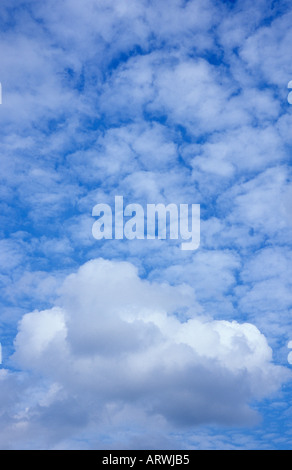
x,y
137,344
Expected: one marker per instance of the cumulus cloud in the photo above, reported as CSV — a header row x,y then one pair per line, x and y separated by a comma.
x,y
115,341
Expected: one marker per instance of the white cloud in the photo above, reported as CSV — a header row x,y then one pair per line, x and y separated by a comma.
x,y
263,203
265,292
12,254
246,149
115,342
265,51
180,104
212,274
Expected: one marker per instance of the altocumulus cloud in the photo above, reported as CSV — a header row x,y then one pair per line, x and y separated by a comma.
x,y
184,104
117,342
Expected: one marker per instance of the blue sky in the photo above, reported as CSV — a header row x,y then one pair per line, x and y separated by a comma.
x,y
136,344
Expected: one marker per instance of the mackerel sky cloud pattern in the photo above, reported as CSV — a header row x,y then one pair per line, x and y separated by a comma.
x,y
130,344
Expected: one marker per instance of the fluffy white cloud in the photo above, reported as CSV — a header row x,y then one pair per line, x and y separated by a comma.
x,y
116,342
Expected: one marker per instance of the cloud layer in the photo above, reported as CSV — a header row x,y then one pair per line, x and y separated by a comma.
x,y
184,104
